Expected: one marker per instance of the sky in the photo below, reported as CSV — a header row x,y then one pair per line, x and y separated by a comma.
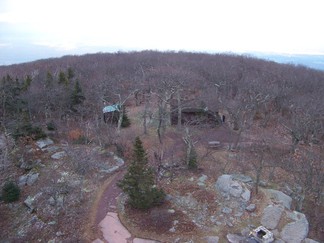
x,y
45,28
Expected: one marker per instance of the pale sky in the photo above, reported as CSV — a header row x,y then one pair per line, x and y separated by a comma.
x,y
239,26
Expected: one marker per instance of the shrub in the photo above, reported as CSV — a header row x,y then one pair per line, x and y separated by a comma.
x,y
10,192
51,126
25,130
81,140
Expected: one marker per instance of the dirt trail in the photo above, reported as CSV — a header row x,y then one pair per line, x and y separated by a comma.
x,y
107,201
104,202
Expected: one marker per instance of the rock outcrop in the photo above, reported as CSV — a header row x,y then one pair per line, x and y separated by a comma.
x,y
286,226
229,186
271,216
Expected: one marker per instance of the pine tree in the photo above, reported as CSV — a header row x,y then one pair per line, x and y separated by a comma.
x,y
77,96
70,74
10,192
125,122
192,163
63,79
138,182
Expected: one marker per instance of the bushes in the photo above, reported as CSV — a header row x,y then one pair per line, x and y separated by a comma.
x,y
10,192
81,140
51,126
27,130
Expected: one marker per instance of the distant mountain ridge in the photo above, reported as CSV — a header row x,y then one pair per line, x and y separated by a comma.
x,y
17,54
308,60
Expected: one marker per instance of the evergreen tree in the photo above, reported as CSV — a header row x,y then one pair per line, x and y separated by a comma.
x,y
77,96
26,83
63,79
125,122
13,105
138,182
70,74
10,192
49,80
192,163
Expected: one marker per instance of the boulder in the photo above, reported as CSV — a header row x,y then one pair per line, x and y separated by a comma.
x,y
223,183
235,189
139,240
250,208
279,241
232,185
22,181
59,155
271,216
119,160
52,201
212,239
233,238
28,179
30,201
187,201
242,178
29,164
32,178
226,210
279,197
307,240
295,232
202,179
42,143
246,195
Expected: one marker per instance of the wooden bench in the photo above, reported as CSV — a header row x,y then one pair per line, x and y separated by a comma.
x,y
214,144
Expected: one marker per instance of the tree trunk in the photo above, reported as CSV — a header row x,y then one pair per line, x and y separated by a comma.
x,y
120,119
179,110
160,125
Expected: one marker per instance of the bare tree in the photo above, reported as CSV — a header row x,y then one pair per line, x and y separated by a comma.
x,y
191,156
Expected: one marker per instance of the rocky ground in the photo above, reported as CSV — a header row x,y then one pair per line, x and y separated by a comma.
x,y
224,210
67,189
58,182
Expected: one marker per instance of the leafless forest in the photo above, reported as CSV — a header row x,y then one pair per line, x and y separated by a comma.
x,y
273,113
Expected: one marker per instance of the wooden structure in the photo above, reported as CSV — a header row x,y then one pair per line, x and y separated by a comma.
x,y
214,144
111,113
196,116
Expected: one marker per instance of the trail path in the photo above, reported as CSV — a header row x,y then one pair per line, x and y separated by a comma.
x,y
105,215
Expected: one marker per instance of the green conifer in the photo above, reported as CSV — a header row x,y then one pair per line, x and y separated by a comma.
x,y
138,182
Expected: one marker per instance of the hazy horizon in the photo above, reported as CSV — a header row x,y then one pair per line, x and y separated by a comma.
x,y
37,29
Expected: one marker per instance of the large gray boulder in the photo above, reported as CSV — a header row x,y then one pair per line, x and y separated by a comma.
x,y
28,179
29,164
43,143
212,239
223,183
271,216
279,196
59,155
32,178
30,201
297,231
242,178
235,188
307,240
233,238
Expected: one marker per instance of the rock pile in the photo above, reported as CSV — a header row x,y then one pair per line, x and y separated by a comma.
x,y
286,225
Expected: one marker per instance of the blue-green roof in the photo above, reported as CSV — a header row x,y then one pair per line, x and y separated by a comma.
x,y
110,108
